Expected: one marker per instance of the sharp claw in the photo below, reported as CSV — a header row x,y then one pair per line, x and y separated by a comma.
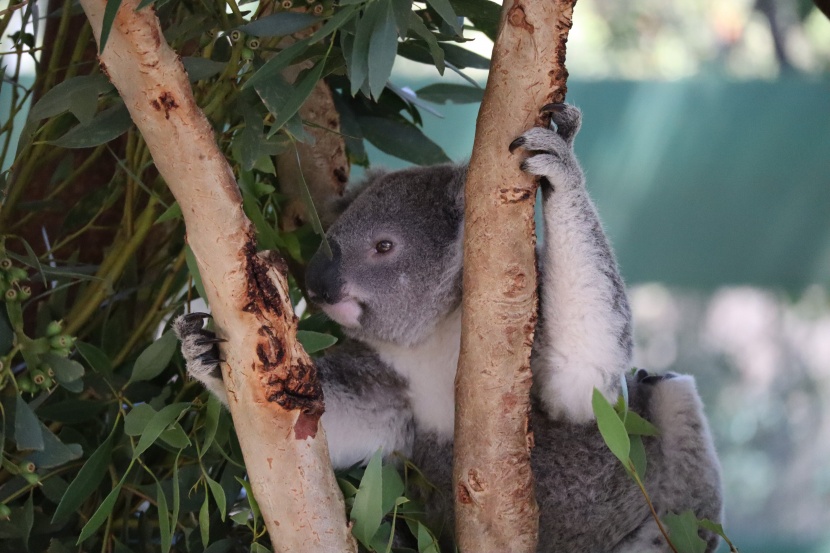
x,y
206,340
553,108
641,375
198,315
518,143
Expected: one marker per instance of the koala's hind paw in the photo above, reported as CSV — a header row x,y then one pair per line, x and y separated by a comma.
x,y
199,347
645,377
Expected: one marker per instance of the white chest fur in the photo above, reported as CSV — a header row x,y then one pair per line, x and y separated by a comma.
x,y
430,369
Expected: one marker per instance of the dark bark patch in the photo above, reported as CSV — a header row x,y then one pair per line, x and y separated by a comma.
x,y
463,494
517,18
515,195
306,426
165,102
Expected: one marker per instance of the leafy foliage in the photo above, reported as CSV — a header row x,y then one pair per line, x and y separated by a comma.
x,y
106,445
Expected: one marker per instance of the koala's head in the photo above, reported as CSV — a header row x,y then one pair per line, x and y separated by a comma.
x,y
396,265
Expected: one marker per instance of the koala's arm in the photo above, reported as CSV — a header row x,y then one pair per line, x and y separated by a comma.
x,y
366,405
584,338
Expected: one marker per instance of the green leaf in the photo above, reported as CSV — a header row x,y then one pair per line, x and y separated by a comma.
x,y
401,139
402,10
367,511
462,58
356,49
75,94
106,126
27,432
259,548
383,46
611,427
393,488
280,24
294,99
137,419
165,535
109,17
144,3
54,453
635,424
218,495
28,520
343,15
100,515
274,66
683,532
204,521
172,212
214,410
447,13
66,370
97,359
441,93
199,69
193,268
87,480
155,358
483,14
426,541
315,341
157,425
433,50
638,456
71,410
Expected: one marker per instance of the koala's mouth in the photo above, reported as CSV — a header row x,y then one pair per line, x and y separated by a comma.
x,y
345,312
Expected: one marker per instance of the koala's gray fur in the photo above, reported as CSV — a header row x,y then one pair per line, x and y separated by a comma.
x,y
391,386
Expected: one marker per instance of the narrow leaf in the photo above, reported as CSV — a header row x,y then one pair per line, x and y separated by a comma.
x,y
100,515
165,535
611,427
383,47
683,532
60,97
193,268
106,26
97,359
635,424
367,511
442,93
218,495
106,126
315,341
27,432
86,481
295,99
155,358
638,456
157,425
214,409
204,522
401,139
279,24
447,13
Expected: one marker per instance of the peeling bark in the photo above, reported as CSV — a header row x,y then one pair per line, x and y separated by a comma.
x,y
275,398
496,508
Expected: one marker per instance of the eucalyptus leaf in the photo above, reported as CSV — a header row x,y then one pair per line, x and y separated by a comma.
x,y
199,68
683,532
635,424
218,495
483,14
97,359
313,342
193,268
165,534
611,428
66,370
367,511
638,456
107,125
27,432
280,24
157,425
86,481
401,139
383,46
78,95
204,521
110,12
100,515
442,93
137,419
155,358
447,13
54,453
172,212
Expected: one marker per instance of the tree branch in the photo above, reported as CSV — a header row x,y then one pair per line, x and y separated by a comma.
x,y
496,508
275,397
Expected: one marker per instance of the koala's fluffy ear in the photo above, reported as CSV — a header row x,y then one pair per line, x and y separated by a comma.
x,y
335,207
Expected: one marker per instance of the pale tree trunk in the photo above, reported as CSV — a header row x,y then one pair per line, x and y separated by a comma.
x,y
495,505
275,397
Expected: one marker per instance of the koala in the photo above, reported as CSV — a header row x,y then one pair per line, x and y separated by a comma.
x,y
393,283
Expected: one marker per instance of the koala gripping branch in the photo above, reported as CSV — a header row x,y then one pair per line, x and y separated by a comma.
x,y
274,396
496,510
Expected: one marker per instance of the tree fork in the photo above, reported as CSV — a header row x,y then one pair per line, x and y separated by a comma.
x,y
496,509
274,394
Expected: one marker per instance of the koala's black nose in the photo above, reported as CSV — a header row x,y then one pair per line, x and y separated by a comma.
x,y
323,277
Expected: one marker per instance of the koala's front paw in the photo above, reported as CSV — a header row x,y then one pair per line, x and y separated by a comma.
x,y
550,150
200,350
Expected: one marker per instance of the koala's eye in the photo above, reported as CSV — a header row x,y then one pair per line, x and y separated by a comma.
x,y
384,246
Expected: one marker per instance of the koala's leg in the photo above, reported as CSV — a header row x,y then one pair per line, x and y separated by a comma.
x,y
689,475
201,353
584,339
